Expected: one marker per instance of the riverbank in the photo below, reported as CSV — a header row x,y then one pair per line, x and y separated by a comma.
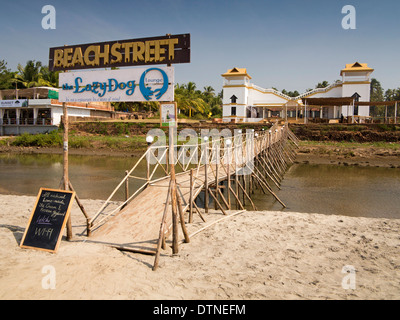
x,y
254,255
339,144
377,154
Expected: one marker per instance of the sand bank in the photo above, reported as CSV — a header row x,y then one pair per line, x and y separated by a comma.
x,y
254,255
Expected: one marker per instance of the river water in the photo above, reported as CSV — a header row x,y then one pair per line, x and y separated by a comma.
x,y
326,189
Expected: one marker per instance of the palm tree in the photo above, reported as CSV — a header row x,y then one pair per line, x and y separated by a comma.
x,y
191,88
322,84
190,100
35,75
208,91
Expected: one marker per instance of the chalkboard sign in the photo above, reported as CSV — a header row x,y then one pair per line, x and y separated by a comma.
x,y
48,220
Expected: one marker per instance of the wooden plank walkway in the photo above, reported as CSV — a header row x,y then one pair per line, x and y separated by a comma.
x,y
136,226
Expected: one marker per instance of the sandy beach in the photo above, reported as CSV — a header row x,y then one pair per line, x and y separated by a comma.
x,y
253,255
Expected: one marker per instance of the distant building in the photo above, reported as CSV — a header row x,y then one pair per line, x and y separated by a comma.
x,y
37,110
245,101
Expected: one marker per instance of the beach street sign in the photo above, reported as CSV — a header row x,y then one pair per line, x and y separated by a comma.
x,y
166,50
134,84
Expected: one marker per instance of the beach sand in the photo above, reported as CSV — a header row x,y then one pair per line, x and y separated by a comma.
x,y
253,255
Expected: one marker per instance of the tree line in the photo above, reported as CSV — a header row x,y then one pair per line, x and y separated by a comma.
x,y
379,94
192,102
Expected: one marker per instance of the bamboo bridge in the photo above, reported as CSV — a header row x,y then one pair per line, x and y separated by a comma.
x,y
222,172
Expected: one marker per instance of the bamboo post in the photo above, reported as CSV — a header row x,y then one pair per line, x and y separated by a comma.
x,y
239,204
182,220
223,199
191,197
175,234
78,201
241,179
65,165
198,212
269,189
206,195
228,172
247,196
245,183
251,191
237,188
229,187
217,202
127,185
259,184
216,183
161,238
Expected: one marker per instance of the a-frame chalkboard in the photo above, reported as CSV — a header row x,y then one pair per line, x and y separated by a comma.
x,y
48,220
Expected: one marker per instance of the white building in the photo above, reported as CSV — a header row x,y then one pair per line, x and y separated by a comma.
x,y
244,101
37,110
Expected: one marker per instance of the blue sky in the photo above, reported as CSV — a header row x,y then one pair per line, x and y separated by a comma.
x,y
290,45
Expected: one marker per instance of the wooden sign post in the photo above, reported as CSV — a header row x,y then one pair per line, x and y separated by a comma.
x,y
48,219
65,178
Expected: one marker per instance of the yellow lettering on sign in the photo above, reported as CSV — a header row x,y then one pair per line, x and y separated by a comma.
x,y
58,57
67,56
138,51
149,51
171,48
105,54
159,51
127,46
152,51
77,57
115,52
89,62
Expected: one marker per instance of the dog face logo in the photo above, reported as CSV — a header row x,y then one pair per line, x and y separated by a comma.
x,y
147,90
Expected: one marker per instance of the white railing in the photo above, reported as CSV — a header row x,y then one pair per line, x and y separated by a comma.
x,y
317,90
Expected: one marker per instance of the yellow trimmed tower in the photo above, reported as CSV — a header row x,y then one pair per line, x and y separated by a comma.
x,y
236,92
356,80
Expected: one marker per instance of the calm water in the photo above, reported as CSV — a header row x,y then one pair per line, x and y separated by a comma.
x,y
352,191
344,190
92,177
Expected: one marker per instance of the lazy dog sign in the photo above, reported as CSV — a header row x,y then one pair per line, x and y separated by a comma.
x,y
138,84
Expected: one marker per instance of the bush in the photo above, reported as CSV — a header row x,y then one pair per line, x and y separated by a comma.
x,y
52,139
79,142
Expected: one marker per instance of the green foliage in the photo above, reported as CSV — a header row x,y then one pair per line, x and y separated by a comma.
x,y
385,127
322,84
136,106
293,94
197,104
5,76
121,128
52,139
78,142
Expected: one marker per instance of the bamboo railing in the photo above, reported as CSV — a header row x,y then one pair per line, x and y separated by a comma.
x,y
246,161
